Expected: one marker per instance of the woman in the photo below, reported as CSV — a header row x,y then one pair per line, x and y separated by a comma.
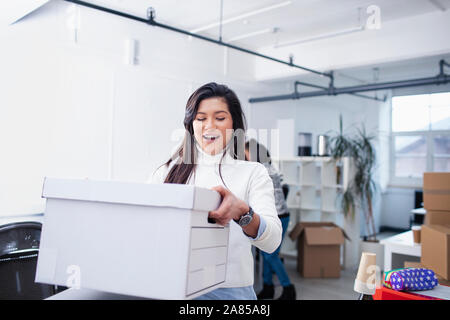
x,y
271,261
212,156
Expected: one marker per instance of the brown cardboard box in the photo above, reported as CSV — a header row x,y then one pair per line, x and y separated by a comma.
x,y
318,249
436,191
436,249
441,280
437,217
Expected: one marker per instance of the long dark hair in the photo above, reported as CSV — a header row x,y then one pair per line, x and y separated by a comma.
x,y
186,155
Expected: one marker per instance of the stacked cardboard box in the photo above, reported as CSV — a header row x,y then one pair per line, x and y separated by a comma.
x,y
436,231
318,249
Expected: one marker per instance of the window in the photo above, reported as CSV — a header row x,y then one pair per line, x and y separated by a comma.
x,y
420,136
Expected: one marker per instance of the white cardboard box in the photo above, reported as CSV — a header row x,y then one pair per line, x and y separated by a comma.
x,y
145,240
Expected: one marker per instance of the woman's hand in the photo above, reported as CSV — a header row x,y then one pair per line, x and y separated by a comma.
x,y
230,208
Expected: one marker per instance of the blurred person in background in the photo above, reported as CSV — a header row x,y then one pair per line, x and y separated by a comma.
x,y
272,263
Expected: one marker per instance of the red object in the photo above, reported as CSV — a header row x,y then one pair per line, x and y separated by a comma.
x,y
383,293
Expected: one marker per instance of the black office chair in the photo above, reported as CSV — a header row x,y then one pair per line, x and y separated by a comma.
x,y
19,248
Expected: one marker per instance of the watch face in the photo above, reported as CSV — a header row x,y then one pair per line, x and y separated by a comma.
x,y
245,220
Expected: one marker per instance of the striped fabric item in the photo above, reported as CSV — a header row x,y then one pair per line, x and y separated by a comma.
x,y
410,279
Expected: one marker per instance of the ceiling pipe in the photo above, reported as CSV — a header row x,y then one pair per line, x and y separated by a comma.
x,y
325,89
151,21
441,78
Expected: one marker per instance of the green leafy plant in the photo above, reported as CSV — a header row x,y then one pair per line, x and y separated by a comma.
x,y
341,144
361,189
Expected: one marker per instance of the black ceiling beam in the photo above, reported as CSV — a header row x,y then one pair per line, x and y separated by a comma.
x,y
151,21
441,78
325,88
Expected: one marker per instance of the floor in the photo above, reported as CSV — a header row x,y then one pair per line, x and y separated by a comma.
x,y
320,289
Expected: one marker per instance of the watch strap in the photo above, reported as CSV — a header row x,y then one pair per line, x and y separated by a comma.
x,y
246,218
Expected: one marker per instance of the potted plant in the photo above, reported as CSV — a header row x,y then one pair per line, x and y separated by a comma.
x,y
363,185
359,192
341,146
361,189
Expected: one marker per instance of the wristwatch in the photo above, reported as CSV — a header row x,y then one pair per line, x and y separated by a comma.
x,y
245,219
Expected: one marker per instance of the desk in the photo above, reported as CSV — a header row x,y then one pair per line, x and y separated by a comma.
x,y
402,244
438,293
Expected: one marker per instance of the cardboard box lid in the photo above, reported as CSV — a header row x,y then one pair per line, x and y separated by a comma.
x,y
444,229
324,236
437,217
319,233
434,181
435,249
160,195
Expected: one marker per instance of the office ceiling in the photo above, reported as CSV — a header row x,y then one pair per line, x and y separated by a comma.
x,y
293,20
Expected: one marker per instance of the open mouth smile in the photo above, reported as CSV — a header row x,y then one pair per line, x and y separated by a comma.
x,y
210,137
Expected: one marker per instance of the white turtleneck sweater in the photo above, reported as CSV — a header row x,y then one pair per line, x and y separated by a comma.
x,y
250,182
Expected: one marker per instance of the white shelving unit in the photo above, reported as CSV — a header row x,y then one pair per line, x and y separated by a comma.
x,y
315,189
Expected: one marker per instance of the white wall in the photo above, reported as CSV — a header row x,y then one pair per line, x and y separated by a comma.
x,y
321,116
74,109
316,115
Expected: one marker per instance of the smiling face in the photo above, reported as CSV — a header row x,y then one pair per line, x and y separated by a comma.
x,y
213,125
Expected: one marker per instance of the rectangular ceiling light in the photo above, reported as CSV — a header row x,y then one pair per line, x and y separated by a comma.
x,y
242,16
320,37
252,34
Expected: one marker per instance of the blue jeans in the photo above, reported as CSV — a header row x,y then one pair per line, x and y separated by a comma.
x,y
272,262
242,293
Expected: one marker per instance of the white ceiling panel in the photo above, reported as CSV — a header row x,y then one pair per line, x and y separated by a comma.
x,y
14,10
